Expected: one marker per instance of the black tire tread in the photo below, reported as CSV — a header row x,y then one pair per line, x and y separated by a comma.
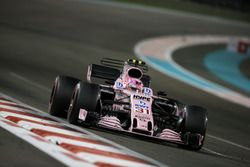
x,y
61,94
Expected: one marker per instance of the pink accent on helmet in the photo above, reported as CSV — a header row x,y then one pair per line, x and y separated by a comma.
x,y
135,84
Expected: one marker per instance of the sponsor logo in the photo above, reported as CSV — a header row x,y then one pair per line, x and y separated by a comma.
x,y
142,107
142,117
82,114
142,104
147,91
119,85
142,98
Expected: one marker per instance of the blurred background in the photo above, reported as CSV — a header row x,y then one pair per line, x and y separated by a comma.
x,y
230,9
40,39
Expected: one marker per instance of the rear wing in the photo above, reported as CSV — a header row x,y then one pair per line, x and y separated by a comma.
x,y
110,74
115,63
102,72
110,70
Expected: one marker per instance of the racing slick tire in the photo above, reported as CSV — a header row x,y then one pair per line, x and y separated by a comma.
x,y
60,95
194,127
85,96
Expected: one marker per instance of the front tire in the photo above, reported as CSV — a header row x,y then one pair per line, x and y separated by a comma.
x,y
60,95
194,127
85,96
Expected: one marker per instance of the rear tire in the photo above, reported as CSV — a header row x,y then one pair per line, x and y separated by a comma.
x,y
60,95
194,127
86,96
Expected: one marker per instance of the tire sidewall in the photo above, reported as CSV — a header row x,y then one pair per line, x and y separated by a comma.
x,y
85,96
195,122
60,95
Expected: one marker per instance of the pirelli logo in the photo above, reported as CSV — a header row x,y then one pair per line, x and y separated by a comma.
x,y
141,97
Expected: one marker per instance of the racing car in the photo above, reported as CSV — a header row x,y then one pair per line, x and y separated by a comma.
x,y
116,95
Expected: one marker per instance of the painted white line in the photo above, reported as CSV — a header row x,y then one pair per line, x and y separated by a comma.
x,y
35,84
228,142
224,155
14,108
47,147
219,154
214,152
7,102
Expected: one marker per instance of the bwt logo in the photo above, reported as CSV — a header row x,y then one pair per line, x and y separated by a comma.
x,y
147,91
141,97
142,103
119,85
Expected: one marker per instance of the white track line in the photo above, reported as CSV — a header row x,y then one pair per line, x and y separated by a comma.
x,y
228,142
224,155
16,108
220,154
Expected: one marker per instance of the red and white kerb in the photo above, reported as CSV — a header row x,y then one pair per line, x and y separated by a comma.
x,y
67,145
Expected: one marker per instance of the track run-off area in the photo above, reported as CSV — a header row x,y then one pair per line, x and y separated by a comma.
x,y
158,53
42,39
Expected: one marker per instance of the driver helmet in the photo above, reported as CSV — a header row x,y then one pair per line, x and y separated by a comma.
x,y
135,85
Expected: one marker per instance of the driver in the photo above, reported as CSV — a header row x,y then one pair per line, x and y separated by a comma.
x,y
134,85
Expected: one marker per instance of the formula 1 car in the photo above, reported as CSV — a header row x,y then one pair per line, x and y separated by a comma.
x,y
126,103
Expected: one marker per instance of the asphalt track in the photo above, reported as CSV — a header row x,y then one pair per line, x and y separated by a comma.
x,y
41,39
